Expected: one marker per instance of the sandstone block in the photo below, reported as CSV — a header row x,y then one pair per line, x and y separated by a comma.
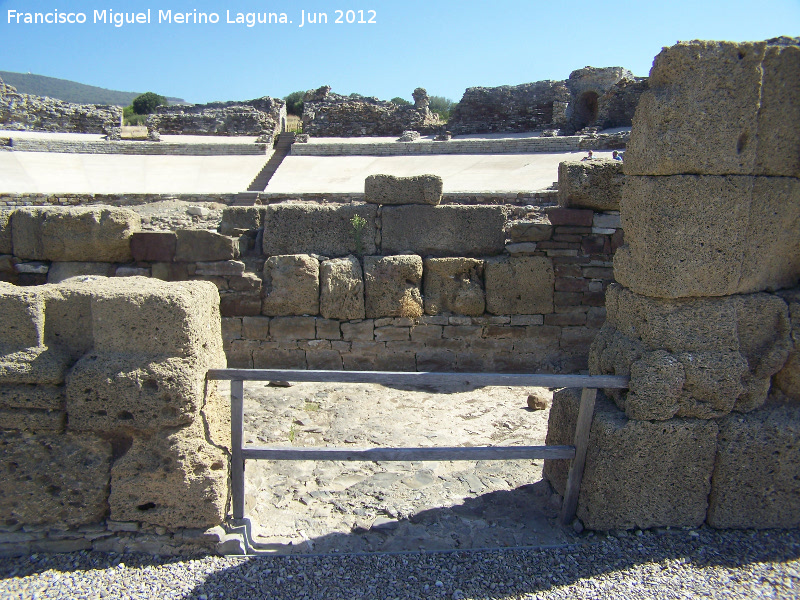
x,y
392,286
328,329
572,217
61,271
787,380
194,245
326,229
388,189
727,348
23,318
51,479
236,219
519,285
341,289
450,230
154,246
719,108
277,358
595,184
361,331
74,234
111,391
183,318
5,232
25,419
291,285
530,231
173,478
240,304
454,285
756,480
220,268
292,328
41,397
324,360
709,236
638,473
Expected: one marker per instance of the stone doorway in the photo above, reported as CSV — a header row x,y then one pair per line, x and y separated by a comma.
x,y
585,110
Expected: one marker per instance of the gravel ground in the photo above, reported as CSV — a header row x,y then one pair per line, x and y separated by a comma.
x,y
650,564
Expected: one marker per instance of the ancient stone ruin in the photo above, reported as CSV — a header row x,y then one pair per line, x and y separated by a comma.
x,y
591,97
704,317
326,114
24,112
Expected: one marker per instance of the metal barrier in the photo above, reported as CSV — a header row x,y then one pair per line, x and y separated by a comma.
x,y
576,452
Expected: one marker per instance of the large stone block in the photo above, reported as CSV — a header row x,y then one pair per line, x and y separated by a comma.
x,y
61,271
291,286
36,397
51,479
698,357
638,473
155,246
450,230
454,285
719,108
709,236
136,315
174,478
326,229
68,318
196,245
6,246
237,219
595,184
23,318
391,286
388,189
519,285
112,391
78,234
787,380
341,289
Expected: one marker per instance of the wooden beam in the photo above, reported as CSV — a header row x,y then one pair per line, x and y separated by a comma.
x,y
407,454
582,429
423,378
237,460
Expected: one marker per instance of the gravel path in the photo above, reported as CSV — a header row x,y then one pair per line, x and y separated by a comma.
x,y
650,564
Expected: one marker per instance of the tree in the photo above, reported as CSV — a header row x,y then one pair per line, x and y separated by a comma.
x,y
147,103
294,103
400,101
442,106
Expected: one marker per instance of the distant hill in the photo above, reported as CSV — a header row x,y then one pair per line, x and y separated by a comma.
x,y
71,91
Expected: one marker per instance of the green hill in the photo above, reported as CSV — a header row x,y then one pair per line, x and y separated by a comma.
x,y
70,91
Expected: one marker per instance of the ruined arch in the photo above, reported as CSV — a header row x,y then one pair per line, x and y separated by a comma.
x,y
585,110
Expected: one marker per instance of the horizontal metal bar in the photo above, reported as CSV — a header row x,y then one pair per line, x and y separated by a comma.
x,y
403,454
423,378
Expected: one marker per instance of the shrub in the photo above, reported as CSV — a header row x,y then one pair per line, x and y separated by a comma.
x,y
442,106
147,103
294,103
400,101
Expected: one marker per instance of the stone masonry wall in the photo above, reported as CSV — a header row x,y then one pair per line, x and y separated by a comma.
x,y
23,112
704,319
110,437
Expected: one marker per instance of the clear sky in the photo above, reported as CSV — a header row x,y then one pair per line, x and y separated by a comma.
x,y
442,45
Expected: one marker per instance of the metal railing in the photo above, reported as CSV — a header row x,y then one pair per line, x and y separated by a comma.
x,y
575,452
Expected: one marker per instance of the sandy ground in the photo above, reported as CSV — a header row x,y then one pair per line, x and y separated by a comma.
x,y
334,506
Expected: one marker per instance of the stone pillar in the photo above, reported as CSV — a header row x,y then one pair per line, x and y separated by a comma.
x,y
711,214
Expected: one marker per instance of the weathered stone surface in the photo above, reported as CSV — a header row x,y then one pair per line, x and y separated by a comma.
x,y
240,304
727,348
519,285
221,268
195,245
638,473
238,218
388,189
530,231
709,236
68,318
153,246
326,229
291,285
23,318
454,285
595,184
449,230
756,480
79,234
183,318
5,232
261,116
40,397
719,108
391,286
53,479
111,391
39,365
25,419
341,289
279,358
174,478
787,380
292,328
61,271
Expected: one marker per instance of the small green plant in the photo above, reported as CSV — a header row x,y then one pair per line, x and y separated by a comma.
x,y
311,406
358,222
292,432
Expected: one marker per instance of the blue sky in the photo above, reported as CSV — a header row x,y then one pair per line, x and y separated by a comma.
x,y
444,46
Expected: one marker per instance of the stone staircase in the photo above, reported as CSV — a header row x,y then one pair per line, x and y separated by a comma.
x,y
282,148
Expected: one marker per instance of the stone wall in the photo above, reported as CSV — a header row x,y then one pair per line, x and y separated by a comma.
x,y
134,148
24,112
261,117
331,115
110,436
603,98
705,320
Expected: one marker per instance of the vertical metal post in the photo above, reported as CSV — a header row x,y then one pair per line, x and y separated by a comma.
x,y
237,462
582,428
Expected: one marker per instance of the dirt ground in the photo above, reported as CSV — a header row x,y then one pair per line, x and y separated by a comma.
x,y
333,506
